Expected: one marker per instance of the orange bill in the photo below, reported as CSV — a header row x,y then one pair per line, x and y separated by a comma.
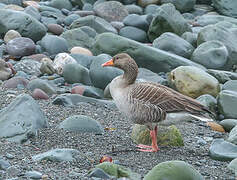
x,y
108,63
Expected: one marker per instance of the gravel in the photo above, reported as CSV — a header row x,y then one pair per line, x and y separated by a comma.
x,y
116,143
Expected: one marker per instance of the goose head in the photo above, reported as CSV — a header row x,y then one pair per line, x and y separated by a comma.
x,y
124,62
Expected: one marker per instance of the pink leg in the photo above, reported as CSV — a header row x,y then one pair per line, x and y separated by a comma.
x,y
154,146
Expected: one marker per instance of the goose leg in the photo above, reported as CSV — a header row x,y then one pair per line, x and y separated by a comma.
x,y
154,146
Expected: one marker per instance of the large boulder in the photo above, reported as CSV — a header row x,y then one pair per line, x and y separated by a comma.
x,y
170,170
21,119
211,54
193,81
167,19
172,43
145,56
26,25
227,103
224,33
227,8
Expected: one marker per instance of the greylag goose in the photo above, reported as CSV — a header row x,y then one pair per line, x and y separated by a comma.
x,y
145,102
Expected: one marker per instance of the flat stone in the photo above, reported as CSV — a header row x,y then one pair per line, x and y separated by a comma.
x,y
227,8
21,119
81,123
44,85
33,174
57,155
230,85
222,150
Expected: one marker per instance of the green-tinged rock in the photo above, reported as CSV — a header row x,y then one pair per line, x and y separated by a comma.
x,y
118,171
193,81
145,56
227,103
26,25
233,166
76,73
166,136
167,19
80,37
173,170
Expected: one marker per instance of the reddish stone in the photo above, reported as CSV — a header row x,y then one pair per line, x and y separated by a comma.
x,y
55,29
36,57
13,82
78,90
39,94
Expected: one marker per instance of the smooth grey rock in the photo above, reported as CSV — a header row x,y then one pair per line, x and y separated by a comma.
x,y
111,11
170,170
233,166
230,85
78,37
134,9
182,6
69,19
134,33
99,173
84,60
10,35
21,46
21,119
223,34
233,136
190,37
76,73
26,25
91,91
172,43
16,2
44,85
30,67
227,8
33,174
222,150
98,24
4,164
214,19
60,4
137,21
145,56
57,155
54,44
227,103
228,124
151,9
211,54
147,75
74,99
167,19
208,101
81,123
222,76
99,75
32,11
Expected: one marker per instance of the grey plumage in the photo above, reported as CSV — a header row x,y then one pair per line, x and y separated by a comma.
x,y
147,102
